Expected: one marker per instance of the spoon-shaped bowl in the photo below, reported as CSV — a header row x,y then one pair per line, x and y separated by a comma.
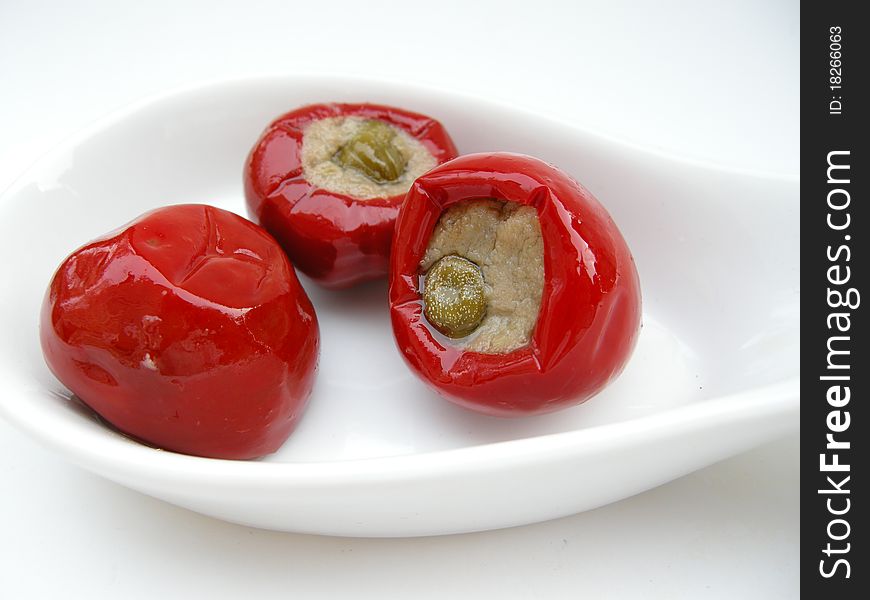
x,y
715,370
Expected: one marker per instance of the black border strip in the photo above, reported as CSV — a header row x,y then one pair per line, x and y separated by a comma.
x,y
833,260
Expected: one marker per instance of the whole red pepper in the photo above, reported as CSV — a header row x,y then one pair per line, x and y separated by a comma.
x,y
590,309
186,329
336,239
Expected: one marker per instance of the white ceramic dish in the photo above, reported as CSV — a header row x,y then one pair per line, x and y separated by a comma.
x,y
715,371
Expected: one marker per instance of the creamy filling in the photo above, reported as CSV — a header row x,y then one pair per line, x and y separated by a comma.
x,y
321,141
504,240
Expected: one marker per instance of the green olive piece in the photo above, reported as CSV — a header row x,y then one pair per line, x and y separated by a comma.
x,y
372,152
453,296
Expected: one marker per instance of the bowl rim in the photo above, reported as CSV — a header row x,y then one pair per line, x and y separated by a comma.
x,y
586,129
108,449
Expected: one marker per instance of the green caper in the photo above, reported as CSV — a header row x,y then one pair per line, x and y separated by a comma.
x,y
372,152
453,296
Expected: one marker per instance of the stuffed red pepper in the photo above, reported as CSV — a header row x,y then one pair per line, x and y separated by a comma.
x,y
186,329
327,180
512,291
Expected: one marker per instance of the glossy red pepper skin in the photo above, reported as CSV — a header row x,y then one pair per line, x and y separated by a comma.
x,y
335,239
186,329
590,309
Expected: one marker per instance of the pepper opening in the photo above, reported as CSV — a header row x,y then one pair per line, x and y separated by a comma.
x,y
502,242
362,158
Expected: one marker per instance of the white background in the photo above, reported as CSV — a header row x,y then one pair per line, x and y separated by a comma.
x,y
714,81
